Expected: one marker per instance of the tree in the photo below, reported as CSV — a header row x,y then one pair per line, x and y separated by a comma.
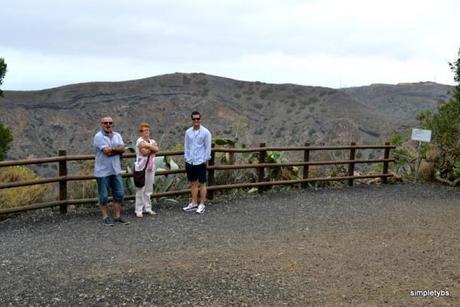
x,y
5,134
455,67
445,126
5,139
2,72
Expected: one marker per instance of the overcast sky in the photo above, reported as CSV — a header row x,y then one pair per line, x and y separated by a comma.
x,y
329,43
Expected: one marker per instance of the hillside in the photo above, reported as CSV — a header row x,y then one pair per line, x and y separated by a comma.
x,y
67,117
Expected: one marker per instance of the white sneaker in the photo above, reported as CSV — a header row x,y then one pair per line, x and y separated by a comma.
x,y
139,214
201,209
190,207
151,212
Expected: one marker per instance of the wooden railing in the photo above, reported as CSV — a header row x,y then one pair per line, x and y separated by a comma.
x,y
64,177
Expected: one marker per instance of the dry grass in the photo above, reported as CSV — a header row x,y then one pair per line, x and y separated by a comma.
x,y
84,188
21,196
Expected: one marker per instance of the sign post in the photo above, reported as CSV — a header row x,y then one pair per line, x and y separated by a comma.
x,y
420,135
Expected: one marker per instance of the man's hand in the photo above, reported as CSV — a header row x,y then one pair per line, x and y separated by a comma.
x,y
111,151
108,151
119,149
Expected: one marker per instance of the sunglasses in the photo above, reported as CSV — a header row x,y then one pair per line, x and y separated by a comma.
x,y
107,123
196,118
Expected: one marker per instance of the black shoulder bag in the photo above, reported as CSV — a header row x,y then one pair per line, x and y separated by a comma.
x,y
139,176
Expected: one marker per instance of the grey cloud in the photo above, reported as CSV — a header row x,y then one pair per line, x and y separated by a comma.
x,y
187,35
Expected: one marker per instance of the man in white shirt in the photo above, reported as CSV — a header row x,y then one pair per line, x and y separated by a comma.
x,y
197,151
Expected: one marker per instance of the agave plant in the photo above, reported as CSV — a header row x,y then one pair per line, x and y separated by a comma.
x,y
227,158
168,182
278,172
129,168
404,164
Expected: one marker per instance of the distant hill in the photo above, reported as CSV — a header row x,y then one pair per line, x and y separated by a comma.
x,y
67,117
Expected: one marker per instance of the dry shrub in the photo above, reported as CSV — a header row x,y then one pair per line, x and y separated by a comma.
x,y
20,196
234,176
426,170
83,188
314,171
432,153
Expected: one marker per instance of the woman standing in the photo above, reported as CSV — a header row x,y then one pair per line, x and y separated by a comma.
x,y
146,148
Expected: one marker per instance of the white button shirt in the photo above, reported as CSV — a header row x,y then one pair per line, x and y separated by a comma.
x,y
106,165
197,145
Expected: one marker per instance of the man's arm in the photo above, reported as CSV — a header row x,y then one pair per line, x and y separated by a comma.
x,y
186,148
118,150
108,151
101,145
208,140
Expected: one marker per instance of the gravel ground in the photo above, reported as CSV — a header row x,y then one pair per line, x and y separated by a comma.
x,y
360,246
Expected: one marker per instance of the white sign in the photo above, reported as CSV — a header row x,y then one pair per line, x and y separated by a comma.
x,y
421,135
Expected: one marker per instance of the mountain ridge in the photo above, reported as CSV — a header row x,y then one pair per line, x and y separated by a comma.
x,y
66,117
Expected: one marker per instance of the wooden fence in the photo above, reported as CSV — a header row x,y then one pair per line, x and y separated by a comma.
x,y
63,177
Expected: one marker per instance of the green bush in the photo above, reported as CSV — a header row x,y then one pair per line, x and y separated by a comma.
x,y
404,158
5,139
265,92
445,126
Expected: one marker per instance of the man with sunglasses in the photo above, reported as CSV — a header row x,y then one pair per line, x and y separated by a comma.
x,y
197,150
109,147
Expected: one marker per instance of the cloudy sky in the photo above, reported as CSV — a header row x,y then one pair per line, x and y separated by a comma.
x,y
312,42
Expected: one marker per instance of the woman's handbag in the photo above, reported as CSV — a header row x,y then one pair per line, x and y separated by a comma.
x,y
139,176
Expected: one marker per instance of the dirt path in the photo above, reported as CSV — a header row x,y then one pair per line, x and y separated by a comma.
x,y
368,245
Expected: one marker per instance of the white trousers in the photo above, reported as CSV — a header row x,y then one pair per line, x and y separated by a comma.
x,y
143,201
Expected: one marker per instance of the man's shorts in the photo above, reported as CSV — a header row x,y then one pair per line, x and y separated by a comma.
x,y
112,182
196,172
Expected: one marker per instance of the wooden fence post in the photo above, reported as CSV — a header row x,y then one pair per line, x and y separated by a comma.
x,y
351,166
306,158
62,183
260,170
386,155
211,171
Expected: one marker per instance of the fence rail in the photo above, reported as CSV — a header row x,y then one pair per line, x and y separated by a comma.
x,y
260,167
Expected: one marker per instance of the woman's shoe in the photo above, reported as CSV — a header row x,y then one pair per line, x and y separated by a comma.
x,y
139,214
151,212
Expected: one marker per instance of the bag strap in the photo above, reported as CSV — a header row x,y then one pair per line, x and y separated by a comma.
x,y
148,159
146,163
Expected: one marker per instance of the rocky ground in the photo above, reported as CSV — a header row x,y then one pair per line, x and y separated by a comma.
x,y
360,246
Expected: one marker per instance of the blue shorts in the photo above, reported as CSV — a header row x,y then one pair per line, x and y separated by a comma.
x,y
113,182
196,172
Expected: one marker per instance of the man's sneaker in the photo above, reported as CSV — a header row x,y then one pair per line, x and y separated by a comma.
x,y
151,212
201,209
107,221
139,214
121,221
190,207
